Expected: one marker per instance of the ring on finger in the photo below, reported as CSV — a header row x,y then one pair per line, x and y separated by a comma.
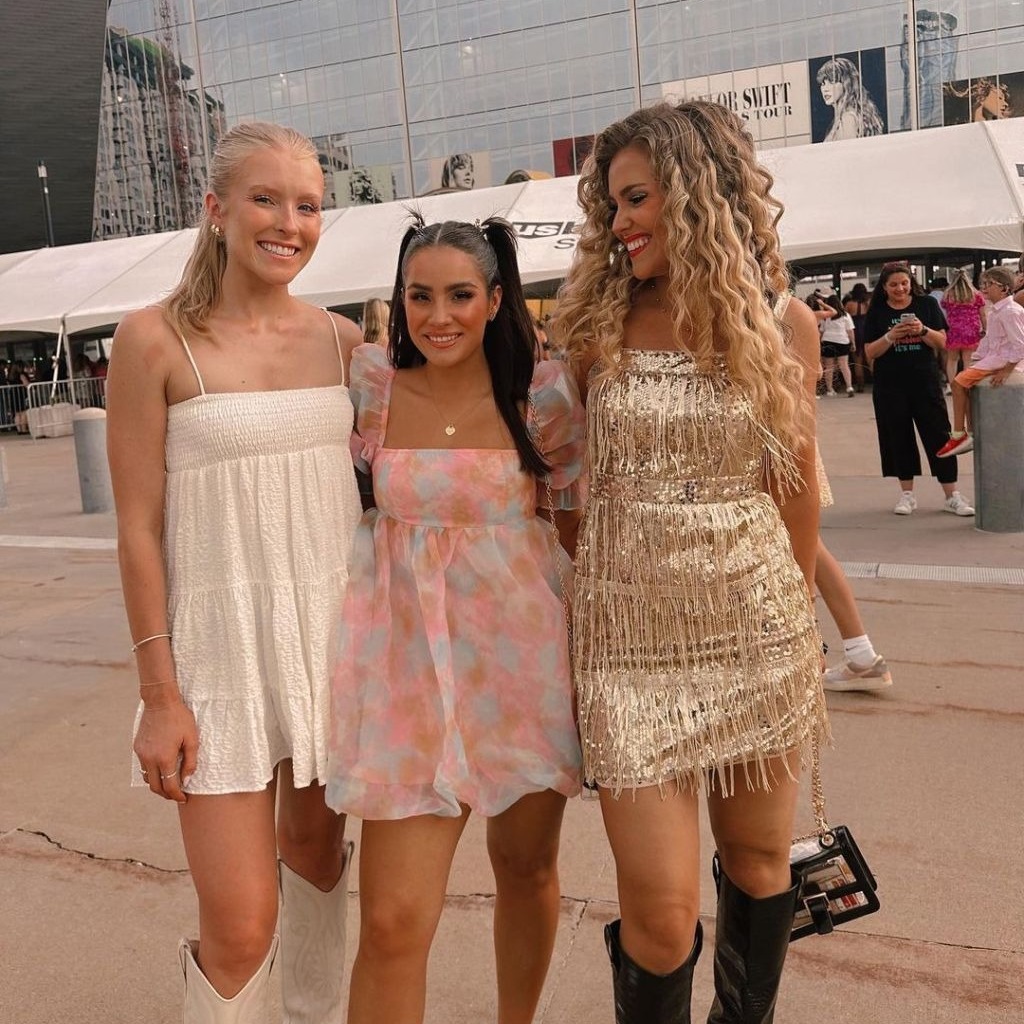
x,y
171,775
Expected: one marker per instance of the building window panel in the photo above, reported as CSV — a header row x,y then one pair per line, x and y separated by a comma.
x,y
312,51
241,64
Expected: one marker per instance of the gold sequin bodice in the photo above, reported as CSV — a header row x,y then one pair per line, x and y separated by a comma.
x,y
663,430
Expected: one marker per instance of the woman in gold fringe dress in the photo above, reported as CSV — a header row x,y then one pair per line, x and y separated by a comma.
x,y
697,658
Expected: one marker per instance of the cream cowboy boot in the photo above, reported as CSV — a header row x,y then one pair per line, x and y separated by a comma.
x,y
204,1005
313,929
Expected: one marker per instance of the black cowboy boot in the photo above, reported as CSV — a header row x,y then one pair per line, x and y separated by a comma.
x,y
751,940
644,998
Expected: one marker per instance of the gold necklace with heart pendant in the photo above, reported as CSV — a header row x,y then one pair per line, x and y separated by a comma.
x,y
449,424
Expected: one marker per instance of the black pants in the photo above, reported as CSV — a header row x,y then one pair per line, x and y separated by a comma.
x,y
899,407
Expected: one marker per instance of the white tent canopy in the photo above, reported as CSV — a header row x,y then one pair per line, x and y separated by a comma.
x,y
943,188
924,191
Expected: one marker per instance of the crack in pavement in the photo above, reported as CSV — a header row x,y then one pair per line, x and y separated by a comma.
x,y
130,861
580,905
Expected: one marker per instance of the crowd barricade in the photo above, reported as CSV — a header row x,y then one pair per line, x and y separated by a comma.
x,y
13,403
52,404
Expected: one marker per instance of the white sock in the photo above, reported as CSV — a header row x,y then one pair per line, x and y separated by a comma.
x,y
859,650
958,433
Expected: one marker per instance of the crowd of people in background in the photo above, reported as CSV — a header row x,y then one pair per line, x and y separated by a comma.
x,y
443,563
918,348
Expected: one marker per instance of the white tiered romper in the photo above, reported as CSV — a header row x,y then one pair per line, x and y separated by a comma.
x,y
260,511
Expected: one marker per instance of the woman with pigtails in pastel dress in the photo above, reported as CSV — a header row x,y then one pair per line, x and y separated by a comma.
x,y
453,693
697,659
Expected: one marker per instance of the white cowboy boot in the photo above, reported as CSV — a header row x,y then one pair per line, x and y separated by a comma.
x,y
204,1005
313,926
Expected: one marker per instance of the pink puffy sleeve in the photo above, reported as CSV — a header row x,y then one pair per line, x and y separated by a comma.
x,y
371,375
558,425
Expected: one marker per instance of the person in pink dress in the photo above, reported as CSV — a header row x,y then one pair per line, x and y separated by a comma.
x,y
967,317
453,691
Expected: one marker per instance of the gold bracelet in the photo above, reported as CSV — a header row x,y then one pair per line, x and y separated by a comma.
x,y
145,640
160,682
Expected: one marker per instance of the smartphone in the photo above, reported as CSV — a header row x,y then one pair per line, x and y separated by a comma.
x,y
907,317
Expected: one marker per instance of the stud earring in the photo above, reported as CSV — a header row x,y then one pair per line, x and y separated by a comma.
x,y
215,229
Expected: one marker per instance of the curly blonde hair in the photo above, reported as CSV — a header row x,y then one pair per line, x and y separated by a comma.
x,y
725,267
189,306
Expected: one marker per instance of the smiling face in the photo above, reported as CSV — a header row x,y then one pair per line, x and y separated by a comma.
x,y
637,201
447,305
993,290
897,290
269,217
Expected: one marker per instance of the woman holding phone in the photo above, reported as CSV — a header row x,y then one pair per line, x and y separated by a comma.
x,y
904,330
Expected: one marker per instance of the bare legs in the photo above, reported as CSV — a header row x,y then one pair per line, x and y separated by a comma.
x,y
232,854
310,836
404,871
232,846
828,367
828,364
961,408
844,371
656,846
523,846
754,831
837,594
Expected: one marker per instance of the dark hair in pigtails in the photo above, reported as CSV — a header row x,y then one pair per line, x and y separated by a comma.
x,y
510,345
402,354
508,339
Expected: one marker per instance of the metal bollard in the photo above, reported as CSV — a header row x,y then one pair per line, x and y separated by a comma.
x,y
90,430
997,418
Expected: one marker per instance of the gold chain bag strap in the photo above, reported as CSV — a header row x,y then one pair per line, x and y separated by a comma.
x,y
836,884
555,536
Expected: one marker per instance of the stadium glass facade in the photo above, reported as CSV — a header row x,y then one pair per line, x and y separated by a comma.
x,y
404,97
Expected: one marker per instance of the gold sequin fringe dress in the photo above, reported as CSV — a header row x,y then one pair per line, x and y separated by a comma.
x,y
697,657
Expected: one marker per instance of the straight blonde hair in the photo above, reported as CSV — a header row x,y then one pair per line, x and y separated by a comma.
x,y
188,307
961,291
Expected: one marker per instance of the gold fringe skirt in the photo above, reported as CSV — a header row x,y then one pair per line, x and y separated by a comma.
x,y
697,656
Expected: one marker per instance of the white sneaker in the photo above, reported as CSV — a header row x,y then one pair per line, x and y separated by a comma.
x,y
849,676
906,504
957,504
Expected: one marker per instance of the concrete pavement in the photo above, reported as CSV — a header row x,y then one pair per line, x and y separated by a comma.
x,y
93,889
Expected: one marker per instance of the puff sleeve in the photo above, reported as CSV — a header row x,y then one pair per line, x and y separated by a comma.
x,y
371,375
558,426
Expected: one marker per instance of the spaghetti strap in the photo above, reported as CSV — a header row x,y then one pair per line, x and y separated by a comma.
x,y
337,342
195,369
781,305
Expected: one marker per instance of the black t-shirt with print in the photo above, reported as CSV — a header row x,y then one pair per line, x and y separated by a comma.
x,y
912,356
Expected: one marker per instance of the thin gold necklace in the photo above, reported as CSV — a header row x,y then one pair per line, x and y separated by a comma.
x,y
449,424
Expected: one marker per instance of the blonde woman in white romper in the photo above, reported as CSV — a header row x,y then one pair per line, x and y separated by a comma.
x,y
229,425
